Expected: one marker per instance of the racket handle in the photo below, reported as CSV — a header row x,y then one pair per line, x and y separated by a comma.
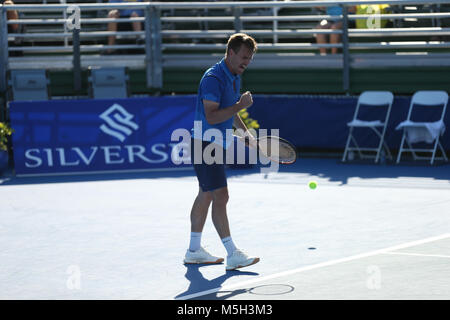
x,y
247,141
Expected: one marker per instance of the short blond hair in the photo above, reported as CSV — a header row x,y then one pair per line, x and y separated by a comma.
x,y
238,39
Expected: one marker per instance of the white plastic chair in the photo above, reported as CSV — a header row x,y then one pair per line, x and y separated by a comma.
x,y
382,99
427,132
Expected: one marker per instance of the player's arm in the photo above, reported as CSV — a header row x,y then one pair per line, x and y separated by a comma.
x,y
216,115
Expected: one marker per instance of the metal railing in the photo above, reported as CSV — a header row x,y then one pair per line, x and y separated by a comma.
x,y
177,33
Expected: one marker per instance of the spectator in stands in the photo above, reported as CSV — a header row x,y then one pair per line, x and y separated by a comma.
x,y
123,13
13,28
333,24
11,15
372,9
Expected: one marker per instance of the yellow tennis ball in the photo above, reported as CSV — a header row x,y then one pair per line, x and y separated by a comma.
x,y
312,185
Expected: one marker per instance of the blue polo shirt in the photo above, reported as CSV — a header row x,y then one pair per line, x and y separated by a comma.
x,y
218,84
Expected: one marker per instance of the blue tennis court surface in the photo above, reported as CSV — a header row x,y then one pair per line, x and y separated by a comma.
x,y
366,232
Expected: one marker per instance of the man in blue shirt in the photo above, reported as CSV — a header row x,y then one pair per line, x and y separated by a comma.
x,y
218,104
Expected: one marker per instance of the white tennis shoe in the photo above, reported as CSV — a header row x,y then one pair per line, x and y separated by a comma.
x,y
239,259
201,256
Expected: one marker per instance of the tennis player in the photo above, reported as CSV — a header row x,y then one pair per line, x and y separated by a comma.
x,y
218,103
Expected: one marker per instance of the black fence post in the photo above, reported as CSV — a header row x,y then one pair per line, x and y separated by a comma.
x,y
76,60
3,49
345,51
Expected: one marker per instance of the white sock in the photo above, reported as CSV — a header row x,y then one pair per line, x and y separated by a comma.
x,y
196,238
229,245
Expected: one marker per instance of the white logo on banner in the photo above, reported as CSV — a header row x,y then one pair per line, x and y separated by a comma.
x,y
119,122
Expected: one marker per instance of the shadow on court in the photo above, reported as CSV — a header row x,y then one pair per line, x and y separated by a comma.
x,y
336,171
331,169
10,179
197,282
265,291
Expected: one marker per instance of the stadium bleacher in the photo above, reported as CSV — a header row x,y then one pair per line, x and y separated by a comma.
x,y
191,37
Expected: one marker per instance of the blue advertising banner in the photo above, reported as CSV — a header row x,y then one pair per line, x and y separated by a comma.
x,y
320,122
70,136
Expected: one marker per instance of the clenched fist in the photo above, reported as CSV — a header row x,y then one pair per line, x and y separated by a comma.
x,y
246,100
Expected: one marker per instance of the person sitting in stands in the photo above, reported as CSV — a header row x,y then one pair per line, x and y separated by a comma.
x,y
11,15
13,28
334,23
123,13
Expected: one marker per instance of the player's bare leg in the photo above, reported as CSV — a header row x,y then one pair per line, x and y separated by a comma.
x,y
219,212
196,254
199,210
236,258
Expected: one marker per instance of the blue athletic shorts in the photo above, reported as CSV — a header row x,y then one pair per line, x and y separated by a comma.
x,y
210,176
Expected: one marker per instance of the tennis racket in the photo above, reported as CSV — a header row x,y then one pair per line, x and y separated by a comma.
x,y
275,148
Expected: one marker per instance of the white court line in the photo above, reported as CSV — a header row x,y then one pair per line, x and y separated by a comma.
x,y
314,266
417,254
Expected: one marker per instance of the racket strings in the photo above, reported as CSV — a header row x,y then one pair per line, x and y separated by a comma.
x,y
286,153
277,150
